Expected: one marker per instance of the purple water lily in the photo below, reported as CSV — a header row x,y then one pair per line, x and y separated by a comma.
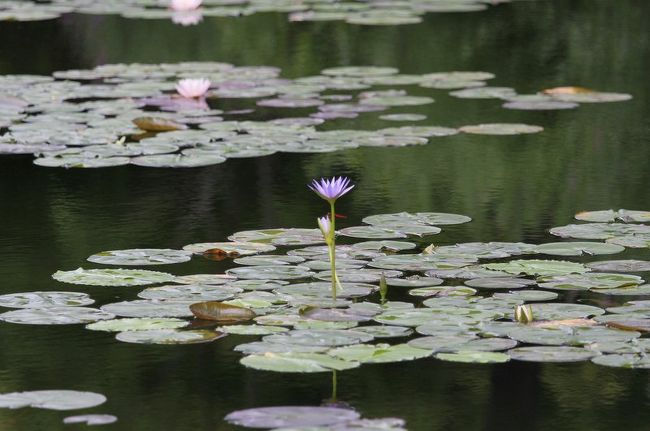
x,y
331,189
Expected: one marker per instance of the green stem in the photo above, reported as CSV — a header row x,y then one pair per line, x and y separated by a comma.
x,y
334,382
332,246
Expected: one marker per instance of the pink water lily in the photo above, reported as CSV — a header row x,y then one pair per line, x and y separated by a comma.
x,y
193,88
185,5
185,18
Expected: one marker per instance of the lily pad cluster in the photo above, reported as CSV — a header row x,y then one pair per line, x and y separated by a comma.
x,y
391,12
322,418
276,296
130,114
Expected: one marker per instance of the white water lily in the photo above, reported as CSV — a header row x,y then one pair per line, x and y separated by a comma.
x,y
193,88
184,5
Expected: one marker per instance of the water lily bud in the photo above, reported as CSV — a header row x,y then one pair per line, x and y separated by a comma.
x,y
524,314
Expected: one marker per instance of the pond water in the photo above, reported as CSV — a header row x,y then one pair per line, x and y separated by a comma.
x,y
515,188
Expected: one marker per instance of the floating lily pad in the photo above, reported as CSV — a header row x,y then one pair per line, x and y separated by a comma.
x,y
611,216
537,267
112,277
55,316
599,230
592,97
223,313
190,292
139,257
474,357
501,129
270,260
90,420
381,331
551,354
417,218
559,311
251,329
168,336
149,308
296,362
629,360
271,272
44,299
136,324
528,295
499,283
52,400
204,279
443,291
578,248
325,337
379,353
629,265
276,417
592,281
232,249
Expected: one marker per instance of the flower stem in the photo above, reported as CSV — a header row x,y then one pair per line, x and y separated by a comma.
x,y
332,246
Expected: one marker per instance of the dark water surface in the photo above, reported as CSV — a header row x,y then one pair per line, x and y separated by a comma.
x,y
515,188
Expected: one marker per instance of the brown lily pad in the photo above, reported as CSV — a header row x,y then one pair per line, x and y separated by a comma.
x,y
641,325
156,124
220,312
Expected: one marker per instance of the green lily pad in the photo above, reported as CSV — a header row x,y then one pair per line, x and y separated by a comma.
x,y
551,354
190,292
305,418
561,311
629,360
44,299
381,331
578,248
630,265
230,248
442,291
270,260
112,277
168,336
325,337
271,272
474,357
599,230
379,353
501,129
149,308
55,316
251,329
52,400
500,283
537,267
589,281
139,257
296,363
204,279
611,216
592,97
528,295
136,324
426,218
